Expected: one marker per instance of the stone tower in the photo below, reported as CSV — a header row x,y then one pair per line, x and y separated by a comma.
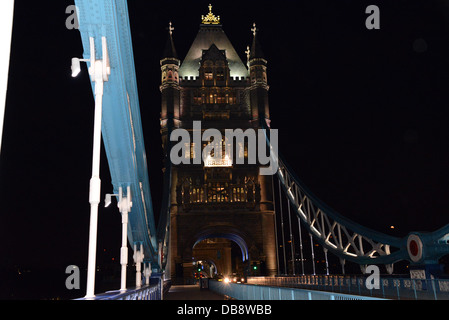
x,y
217,199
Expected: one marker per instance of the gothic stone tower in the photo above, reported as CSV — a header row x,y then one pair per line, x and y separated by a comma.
x,y
218,199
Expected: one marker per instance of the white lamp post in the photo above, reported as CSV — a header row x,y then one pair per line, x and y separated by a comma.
x,y
124,204
6,23
138,259
99,72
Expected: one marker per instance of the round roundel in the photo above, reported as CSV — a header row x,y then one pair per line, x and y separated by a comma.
x,y
414,247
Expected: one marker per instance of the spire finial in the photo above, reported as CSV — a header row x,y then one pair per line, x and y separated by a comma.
x,y
248,55
254,29
170,28
210,18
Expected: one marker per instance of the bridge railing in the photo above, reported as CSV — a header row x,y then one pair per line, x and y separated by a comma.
x,y
147,292
389,287
257,292
150,292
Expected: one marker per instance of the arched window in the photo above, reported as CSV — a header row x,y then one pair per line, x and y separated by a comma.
x,y
220,75
208,75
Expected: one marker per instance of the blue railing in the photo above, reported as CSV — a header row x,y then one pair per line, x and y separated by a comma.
x,y
389,287
257,292
150,292
146,292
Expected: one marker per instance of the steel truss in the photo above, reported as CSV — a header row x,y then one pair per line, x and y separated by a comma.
x,y
351,241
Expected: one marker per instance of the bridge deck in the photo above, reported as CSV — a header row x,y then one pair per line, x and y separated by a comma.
x,y
192,292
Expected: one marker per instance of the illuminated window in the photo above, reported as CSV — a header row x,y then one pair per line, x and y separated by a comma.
x,y
187,151
197,195
221,99
208,76
241,150
211,162
197,100
238,194
217,192
192,151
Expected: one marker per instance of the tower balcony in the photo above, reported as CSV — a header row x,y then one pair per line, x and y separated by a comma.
x,y
218,195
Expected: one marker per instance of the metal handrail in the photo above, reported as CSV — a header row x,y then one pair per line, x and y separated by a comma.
x,y
389,287
149,292
256,292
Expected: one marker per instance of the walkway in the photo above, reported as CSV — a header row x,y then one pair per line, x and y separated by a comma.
x,y
191,292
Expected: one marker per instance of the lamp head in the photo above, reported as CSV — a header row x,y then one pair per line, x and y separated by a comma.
x,y
76,67
107,200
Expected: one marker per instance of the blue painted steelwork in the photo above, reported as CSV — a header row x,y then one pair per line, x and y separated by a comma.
x,y
389,287
349,240
257,292
163,230
121,125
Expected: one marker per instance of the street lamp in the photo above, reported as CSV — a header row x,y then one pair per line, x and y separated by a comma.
x,y
108,199
99,72
124,204
76,66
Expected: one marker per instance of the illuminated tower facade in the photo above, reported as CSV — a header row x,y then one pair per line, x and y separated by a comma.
x,y
217,199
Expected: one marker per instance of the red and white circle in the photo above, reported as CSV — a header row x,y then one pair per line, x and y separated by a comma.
x,y
414,247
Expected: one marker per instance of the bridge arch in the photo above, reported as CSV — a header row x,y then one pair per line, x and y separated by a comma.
x,y
230,236
219,231
226,232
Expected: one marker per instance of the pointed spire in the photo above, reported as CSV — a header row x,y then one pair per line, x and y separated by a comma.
x,y
170,51
256,49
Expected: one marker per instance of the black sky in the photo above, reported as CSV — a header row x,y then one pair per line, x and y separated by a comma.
x,y
362,114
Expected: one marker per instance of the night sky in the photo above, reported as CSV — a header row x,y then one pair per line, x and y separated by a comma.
x,y
363,117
